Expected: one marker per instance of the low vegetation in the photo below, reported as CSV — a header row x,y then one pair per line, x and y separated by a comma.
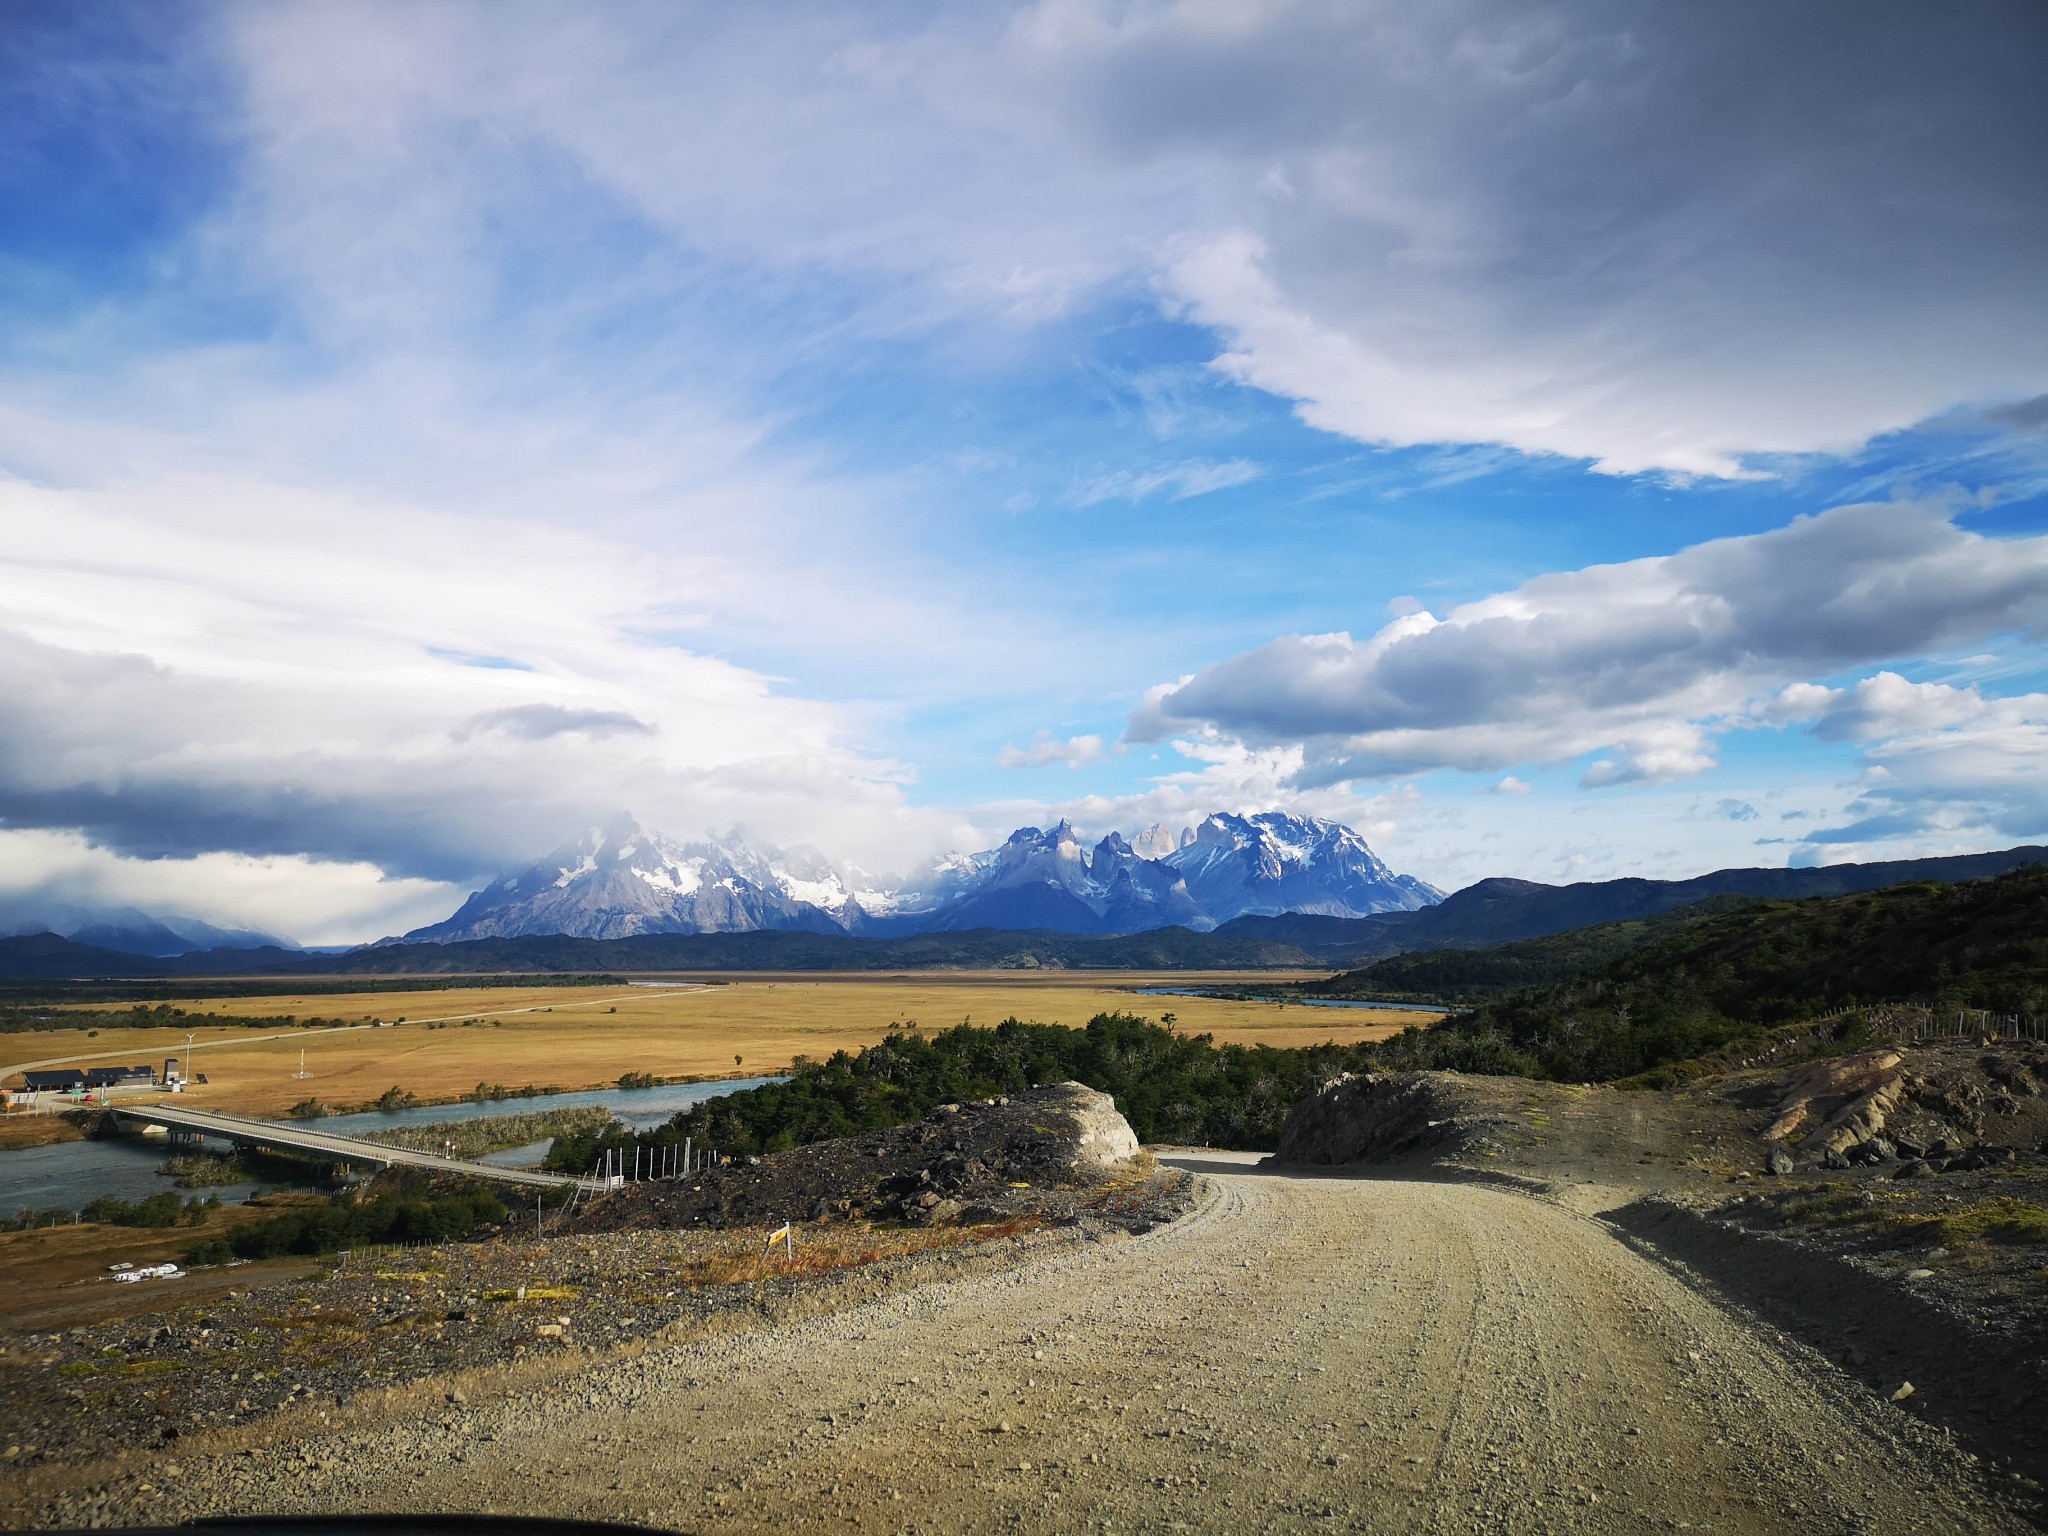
x,y
1731,977
1171,1087
348,1221
19,1018
168,1209
1464,976
494,1133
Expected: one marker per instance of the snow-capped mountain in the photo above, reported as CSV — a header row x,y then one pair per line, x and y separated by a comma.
x,y
1041,879
1237,866
621,880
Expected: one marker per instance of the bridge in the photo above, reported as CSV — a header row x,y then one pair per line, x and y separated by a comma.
x,y
244,1132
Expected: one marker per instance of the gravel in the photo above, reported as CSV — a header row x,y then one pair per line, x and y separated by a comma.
x,y
1299,1352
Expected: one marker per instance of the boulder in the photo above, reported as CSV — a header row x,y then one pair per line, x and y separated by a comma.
x,y
1103,1139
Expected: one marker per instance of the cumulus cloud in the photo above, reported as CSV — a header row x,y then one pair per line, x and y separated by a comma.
x,y
1511,786
1888,705
1961,768
1637,661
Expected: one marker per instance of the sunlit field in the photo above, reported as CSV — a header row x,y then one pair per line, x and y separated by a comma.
x,y
568,1037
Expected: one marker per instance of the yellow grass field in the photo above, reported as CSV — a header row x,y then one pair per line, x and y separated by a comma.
x,y
586,1037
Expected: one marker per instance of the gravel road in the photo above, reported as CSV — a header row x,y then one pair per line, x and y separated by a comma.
x,y
1296,1354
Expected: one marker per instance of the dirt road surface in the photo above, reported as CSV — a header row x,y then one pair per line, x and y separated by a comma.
x,y
1297,1354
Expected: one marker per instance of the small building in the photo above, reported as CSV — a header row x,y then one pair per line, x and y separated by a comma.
x,y
61,1080
120,1077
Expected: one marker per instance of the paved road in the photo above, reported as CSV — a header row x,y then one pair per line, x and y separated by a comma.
x,y
133,1053
275,1133
1299,1354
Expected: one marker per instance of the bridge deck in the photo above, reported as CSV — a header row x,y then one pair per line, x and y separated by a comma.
x,y
298,1138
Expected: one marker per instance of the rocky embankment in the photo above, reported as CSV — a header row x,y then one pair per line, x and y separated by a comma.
x,y
1031,1154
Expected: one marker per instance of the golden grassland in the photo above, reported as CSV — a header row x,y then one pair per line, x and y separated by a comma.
x,y
586,1037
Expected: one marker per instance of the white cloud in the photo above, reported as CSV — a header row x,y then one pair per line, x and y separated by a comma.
x,y
1949,768
1511,786
206,666
309,900
1046,749
1641,661
1473,222
1888,705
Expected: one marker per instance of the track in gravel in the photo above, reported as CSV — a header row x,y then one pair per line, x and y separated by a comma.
x,y
1298,1353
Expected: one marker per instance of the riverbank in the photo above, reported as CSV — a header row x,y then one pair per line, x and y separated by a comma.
x,y
41,1128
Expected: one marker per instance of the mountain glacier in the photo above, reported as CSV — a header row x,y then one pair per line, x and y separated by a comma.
x,y
621,880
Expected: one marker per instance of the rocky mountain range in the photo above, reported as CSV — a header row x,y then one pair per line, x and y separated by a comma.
x,y
621,880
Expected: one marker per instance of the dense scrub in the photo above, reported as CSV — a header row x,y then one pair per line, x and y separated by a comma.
x,y
1974,945
18,1019
347,1221
167,1209
1171,1087
1478,975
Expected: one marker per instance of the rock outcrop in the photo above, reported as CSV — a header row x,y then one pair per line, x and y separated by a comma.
x,y
1370,1117
1846,1098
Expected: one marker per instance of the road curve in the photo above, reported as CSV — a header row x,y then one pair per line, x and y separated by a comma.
x,y
1297,1354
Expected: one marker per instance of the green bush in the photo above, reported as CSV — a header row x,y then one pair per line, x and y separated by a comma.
x,y
160,1210
345,1221
1171,1087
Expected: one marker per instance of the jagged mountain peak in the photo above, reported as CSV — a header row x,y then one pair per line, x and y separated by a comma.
x,y
621,878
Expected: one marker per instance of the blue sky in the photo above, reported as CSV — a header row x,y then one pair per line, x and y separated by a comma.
x,y
1561,441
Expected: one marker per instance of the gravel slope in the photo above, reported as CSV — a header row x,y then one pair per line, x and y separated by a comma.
x,y
1299,1353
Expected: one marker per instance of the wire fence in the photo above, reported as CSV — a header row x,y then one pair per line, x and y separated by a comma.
x,y
1974,1024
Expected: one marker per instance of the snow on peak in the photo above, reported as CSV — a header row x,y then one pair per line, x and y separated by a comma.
x,y
1225,866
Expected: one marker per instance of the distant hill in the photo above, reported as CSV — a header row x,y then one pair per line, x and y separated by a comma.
x,y
1501,911
1712,978
43,956
1474,975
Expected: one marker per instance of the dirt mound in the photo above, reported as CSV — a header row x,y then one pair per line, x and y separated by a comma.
x,y
963,1163
1372,1117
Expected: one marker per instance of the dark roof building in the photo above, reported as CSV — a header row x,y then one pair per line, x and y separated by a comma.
x,y
116,1077
54,1082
